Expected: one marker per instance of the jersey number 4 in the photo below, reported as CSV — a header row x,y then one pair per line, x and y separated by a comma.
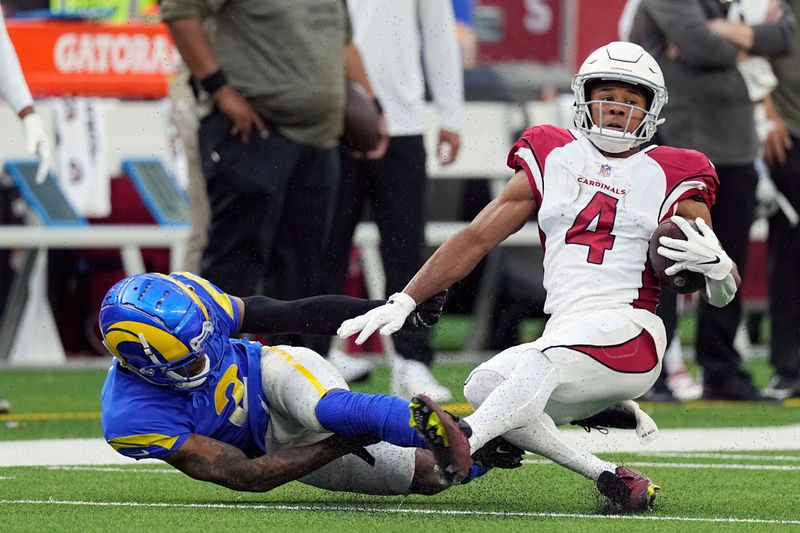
x,y
603,208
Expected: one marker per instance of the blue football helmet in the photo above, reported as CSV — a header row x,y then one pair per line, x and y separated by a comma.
x,y
161,330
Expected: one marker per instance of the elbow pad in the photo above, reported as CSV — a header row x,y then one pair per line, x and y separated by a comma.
x,y
720,292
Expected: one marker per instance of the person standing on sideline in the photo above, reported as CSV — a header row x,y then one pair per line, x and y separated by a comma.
x,y
14,90
710,110
782,153
391,36
269,146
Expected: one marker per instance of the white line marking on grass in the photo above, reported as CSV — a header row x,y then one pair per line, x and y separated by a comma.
x,y
116,469
729,456
6,477
717,466
98,452
394,510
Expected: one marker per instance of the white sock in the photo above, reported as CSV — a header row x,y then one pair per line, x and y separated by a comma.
x,y
543,437
517,401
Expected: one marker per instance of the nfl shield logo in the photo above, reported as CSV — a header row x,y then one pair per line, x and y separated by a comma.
x,y
605,170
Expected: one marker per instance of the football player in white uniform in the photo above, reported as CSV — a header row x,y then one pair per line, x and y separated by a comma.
x,y
597,194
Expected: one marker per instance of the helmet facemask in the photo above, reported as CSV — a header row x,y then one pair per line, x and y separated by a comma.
x,y
626,63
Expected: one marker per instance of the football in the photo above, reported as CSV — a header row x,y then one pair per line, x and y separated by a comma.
x,y
361,116
682,282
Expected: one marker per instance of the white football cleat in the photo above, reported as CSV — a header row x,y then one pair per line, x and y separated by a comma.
x,y
411,378
683,386
5,406
351,368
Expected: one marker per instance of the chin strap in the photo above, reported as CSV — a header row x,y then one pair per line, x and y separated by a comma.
x,y
720,292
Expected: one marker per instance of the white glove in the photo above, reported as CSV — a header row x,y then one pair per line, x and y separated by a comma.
x,y
389,317
38,143
700,252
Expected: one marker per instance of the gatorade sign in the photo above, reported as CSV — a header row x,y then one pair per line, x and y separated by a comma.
x,y
87,59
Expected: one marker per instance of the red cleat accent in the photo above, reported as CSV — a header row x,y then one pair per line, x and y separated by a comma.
x,y
630,491
445,439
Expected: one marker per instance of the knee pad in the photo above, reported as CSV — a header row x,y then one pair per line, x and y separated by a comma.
x,y
480,384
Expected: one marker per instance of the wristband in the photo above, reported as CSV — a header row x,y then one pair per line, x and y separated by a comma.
x,y
214,81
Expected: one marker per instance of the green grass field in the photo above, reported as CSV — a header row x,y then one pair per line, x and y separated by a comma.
x,y
737,491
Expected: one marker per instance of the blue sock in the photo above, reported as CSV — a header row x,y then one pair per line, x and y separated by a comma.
x,y
355,413
475,471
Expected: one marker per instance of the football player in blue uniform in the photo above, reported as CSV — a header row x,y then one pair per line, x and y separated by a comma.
x,y
252,417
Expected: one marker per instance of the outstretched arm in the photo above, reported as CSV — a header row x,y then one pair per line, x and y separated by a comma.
x,y
452,261
208,459
318,315
460,254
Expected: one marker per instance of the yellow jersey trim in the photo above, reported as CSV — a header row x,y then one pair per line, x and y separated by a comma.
x,y
321,389
142,441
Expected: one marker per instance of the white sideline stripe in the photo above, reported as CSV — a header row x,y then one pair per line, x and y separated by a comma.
x,y
394,510
98,452
719,466
116,469
711,466
731,456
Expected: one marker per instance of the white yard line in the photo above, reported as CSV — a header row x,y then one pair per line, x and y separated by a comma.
x,y
711,466
117,469
726,456
97,452
401,511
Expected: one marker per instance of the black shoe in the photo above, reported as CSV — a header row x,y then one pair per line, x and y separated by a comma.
x,y
615,416
782,387
498,453
734,388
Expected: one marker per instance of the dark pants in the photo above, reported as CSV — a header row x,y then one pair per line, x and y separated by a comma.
x,y
732,216
394,188
784,281
270,207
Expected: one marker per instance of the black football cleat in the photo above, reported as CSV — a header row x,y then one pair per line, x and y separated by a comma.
x,y
615,416
498,453
444,436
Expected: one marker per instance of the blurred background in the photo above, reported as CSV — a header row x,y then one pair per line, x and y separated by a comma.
x,y
104,77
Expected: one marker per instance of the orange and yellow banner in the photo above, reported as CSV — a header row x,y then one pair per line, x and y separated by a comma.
x,y
89,59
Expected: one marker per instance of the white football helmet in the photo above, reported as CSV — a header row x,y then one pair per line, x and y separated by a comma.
x,y
628,63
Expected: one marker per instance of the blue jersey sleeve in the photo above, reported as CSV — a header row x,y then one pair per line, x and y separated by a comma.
x,y
140,424
225,308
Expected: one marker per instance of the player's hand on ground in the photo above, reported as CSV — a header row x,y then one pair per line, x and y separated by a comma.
x,y
389,318
246,121
427,314
700,252
37,143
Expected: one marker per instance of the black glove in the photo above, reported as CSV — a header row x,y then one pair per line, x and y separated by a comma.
x,y
426,314
355,445
498,453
